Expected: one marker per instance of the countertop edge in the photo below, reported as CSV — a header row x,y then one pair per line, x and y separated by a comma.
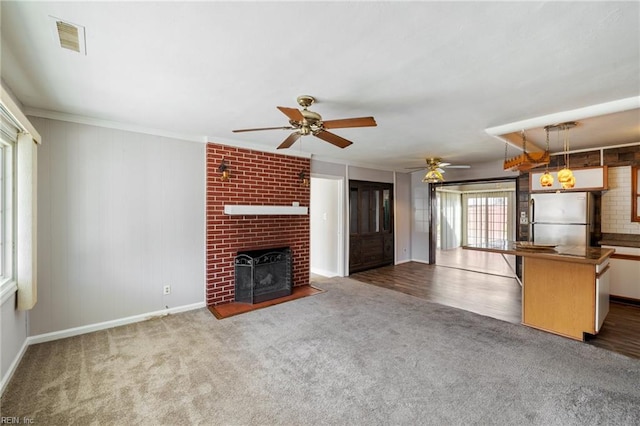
x,y
605,253
620,243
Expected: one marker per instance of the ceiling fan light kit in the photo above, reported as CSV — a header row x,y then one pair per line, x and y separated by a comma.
x,y
305,122
433,176
435,170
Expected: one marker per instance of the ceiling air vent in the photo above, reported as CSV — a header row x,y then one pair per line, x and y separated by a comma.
x,y
69,36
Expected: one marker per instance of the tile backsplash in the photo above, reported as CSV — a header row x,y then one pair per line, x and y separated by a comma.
x,y
616,203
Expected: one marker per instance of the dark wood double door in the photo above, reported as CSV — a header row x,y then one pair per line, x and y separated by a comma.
x,y
370,225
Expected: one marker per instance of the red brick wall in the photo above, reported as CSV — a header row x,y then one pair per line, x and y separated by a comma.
x,y
257,178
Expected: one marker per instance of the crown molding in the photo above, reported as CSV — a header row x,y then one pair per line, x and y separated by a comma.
x,y
17,114
357,164
79,119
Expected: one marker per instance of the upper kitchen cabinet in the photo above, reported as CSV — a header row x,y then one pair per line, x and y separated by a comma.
x,y
587,179
635,194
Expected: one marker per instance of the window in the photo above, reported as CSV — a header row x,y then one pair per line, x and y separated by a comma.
x,y
488,217
18,200
635,194
8,137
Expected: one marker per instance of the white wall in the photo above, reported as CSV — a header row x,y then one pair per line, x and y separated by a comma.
x,y
370,175
616,203
419,218
120,215
13,335
326,239
402,216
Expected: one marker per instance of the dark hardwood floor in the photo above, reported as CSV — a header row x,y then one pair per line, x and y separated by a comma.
x,y
497,297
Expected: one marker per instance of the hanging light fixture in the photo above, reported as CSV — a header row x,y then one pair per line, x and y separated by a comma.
x,y
566,179
527,160
546,180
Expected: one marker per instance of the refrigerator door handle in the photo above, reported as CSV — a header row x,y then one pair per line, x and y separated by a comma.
x,y
532,210
532,218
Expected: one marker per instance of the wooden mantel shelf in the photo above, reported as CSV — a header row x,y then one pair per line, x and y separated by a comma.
x,y
265,210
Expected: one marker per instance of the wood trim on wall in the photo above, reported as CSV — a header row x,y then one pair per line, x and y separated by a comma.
x,y
635,194
625,256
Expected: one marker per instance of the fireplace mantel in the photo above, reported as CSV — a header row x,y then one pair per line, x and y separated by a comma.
x,y
264,210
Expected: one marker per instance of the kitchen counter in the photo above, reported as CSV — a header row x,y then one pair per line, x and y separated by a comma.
x,y
618,243
574,254
625,270
565,289
620,240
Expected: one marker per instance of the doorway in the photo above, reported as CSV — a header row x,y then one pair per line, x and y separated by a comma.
x,y
326,225
475,213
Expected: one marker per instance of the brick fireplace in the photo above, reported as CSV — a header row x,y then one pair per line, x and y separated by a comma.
x,y
257,178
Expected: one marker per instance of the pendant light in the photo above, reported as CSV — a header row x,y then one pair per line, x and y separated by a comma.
x,y
565,175
566,179
546,180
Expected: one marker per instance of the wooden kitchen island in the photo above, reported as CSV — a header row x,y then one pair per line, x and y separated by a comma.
x,y
565,290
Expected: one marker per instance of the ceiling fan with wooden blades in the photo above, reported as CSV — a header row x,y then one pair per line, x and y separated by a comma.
x,y
305,122
435,168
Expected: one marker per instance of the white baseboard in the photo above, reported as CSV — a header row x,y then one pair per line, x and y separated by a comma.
x,y
421,261
55,335
400,262
323,272
14,365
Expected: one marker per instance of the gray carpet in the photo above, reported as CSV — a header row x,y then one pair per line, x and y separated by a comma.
x,y
354,355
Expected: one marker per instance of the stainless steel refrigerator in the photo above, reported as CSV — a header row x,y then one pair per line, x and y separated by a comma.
x,y
561,218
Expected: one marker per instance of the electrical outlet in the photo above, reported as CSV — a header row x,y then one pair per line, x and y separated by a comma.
x,y
167,289
523,218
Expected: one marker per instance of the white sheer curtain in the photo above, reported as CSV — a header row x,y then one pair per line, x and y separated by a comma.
x,y
449,220
26,221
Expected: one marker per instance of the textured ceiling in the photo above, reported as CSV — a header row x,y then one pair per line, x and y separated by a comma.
x,y
434,75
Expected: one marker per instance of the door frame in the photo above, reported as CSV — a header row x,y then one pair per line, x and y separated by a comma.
x,y
433,208
340,245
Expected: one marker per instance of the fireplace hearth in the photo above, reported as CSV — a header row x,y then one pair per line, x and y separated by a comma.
x,y
262,275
